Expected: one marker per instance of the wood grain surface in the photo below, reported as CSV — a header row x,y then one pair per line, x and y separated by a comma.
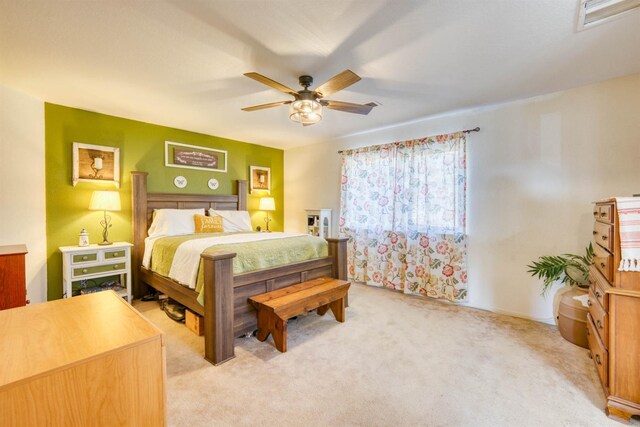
x,y
82,361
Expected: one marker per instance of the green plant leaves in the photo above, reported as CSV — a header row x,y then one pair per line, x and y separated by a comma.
x,y
551,268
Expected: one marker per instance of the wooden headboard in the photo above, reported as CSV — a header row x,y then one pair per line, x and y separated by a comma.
x,y
143,204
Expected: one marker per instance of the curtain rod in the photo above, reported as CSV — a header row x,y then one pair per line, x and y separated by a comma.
x,y
476,129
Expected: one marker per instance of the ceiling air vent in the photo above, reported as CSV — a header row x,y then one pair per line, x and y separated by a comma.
x,y
594,12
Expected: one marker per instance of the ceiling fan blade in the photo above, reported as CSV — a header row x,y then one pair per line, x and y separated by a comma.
x,y
337,82
349,107
263,106
274,84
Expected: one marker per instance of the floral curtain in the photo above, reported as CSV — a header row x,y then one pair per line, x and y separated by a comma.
x,y
403,209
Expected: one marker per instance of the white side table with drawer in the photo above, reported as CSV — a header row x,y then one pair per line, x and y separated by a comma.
x,y
94,262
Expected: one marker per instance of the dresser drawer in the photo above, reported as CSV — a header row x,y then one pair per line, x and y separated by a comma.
x,y
598,351
600,318
599,285
80,258
603,235
603,262
114,254
605,212
86,271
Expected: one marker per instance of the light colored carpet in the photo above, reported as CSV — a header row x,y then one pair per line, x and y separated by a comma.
x,y
396,361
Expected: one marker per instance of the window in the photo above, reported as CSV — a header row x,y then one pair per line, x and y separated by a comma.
x,y
403,209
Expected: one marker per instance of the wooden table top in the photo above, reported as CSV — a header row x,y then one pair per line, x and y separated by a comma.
x,y
13,250
42,337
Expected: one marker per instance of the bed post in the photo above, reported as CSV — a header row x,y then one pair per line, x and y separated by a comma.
x,y
242,194
338,251
218,307
139,226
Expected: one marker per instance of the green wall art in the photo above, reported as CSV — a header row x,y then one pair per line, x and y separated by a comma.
x,y
142,148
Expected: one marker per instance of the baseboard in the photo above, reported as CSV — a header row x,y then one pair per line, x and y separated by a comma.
x,y
547,320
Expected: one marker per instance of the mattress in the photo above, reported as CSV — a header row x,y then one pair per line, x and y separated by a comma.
x,y
178,257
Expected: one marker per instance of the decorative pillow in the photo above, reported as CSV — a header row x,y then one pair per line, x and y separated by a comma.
x,y
233,220
208,224
173,222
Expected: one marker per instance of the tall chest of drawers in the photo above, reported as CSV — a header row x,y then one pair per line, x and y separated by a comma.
x,y
613,325
13,288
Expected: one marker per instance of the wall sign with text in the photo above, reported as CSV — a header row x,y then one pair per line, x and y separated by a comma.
x,y
177,155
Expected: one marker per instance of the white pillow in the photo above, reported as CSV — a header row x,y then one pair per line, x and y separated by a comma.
x,y
233,220
173,222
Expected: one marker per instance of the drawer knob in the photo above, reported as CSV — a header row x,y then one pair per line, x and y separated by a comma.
x,y
84,270
588,333
595,232
589,302
604,237
115,267
603,214
602,264
595,213
84,258
599,323
598,361
598,294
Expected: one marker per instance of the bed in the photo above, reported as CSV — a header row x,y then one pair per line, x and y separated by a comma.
x,y
226,310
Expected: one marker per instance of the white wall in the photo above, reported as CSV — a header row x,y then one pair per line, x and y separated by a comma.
x,y
533,171
22,186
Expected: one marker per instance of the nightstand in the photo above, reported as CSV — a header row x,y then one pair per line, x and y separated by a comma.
x,y
91,262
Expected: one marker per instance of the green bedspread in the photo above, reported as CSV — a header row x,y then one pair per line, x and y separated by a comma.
x,y
250,256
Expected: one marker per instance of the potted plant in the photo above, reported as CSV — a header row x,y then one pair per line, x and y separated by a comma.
x,y
568,268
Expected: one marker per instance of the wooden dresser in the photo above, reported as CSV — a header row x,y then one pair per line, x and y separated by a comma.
x,y
613,325
92,360
13,285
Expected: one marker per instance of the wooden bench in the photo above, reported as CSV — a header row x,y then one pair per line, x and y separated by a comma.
x,y
276,307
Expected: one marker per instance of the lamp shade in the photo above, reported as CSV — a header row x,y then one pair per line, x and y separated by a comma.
x,y
105,201
267,204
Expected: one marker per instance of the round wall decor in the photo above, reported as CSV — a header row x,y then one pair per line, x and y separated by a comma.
x,y
213,183
180,181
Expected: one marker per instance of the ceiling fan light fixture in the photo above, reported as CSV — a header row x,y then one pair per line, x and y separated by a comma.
x,y
306,107
305,111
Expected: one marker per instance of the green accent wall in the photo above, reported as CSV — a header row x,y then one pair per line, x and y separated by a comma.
x,y
141,149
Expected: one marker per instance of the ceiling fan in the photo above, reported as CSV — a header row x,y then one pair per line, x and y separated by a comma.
x,y
306,107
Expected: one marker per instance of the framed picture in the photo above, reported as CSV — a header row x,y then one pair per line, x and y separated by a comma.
x,y
260,179
177,155
96,163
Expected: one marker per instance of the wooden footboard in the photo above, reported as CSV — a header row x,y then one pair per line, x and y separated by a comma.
x,y
226,310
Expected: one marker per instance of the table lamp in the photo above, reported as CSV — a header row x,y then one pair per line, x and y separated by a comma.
x,y
105,201
267,204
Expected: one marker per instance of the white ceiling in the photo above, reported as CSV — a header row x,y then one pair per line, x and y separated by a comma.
x,y
180,63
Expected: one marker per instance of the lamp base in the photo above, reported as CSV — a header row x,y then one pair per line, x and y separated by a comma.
x,y
105,223
267,219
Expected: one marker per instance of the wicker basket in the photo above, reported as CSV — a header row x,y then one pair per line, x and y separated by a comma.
x,y
572,318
